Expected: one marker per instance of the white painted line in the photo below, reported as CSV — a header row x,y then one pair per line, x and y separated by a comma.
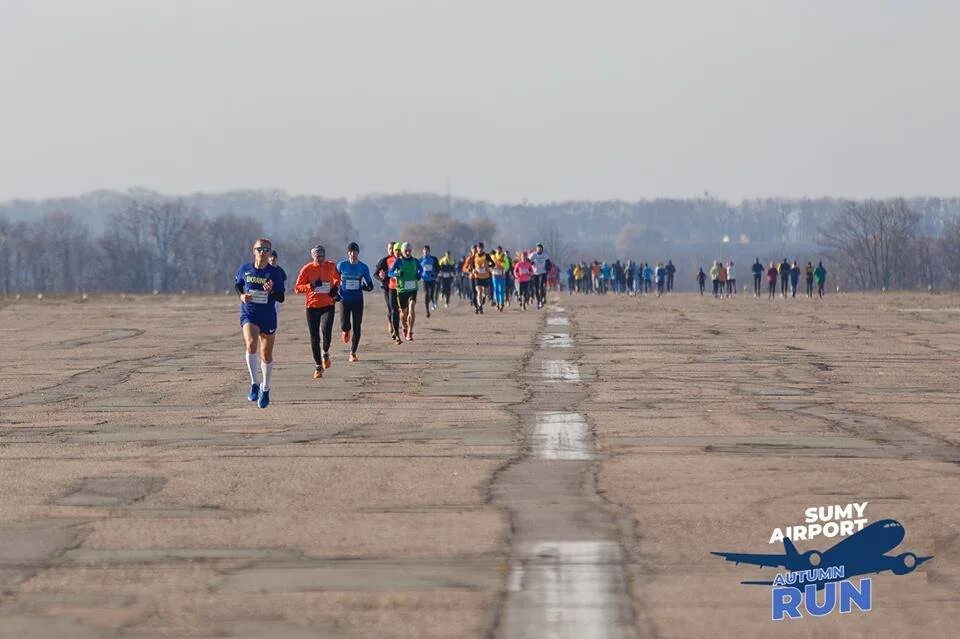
x,y
558,370
562,436
557,340
558,309
570,589
558,321
515,582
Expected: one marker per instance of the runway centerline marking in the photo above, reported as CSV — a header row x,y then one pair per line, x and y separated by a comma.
x,y
558,370
570,589
558,321
564,436
557,340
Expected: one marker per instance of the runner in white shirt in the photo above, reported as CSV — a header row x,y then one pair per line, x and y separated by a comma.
x,y
541,268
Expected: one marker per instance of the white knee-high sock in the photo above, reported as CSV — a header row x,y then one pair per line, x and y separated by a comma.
x,y
267,374
251,366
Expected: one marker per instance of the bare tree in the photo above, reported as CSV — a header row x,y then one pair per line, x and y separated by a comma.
x,y
870,239
338,231
168,226
145,244
638,240
56,254
950,252
333,229
560,251
6,256
227,242
127,255
443,232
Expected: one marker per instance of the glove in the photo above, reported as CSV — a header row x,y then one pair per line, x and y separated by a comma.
x,y
366,287
335,293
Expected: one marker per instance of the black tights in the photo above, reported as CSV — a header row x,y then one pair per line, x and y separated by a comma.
x,y
320,319
445,289
351,317
429,294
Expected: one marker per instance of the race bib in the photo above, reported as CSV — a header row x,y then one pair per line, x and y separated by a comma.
x,y
410,285
259,297
481,269
351,285
428,268
498,271
323,288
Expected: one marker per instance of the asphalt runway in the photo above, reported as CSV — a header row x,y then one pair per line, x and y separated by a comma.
x,y
561,473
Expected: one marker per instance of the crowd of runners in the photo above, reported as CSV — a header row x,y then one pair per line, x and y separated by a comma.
x,y
723,277
640,278
482,277
487,280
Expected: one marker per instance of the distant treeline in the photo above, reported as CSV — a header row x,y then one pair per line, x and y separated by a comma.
x,y
140,241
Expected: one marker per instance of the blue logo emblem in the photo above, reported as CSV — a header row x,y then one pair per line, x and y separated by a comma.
x,y
862,553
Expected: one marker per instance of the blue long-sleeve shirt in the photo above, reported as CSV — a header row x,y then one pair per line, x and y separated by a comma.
x,y
429,267
354,279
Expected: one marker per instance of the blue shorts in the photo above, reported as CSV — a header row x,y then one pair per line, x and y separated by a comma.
x,y
265,320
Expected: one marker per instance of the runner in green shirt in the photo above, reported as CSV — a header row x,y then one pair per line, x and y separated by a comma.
x,y
409,272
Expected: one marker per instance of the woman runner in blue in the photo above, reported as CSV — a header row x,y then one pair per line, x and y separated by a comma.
x,y
259,286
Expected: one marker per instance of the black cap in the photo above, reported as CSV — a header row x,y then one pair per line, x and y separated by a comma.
x,y
353,246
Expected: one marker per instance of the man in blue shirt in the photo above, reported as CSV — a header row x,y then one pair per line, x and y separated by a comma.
x,y
431,269
260,286
354,280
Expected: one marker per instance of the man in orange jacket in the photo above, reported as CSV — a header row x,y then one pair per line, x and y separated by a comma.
x,y
319,280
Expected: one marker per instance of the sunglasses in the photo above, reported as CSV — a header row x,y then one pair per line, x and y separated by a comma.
x,y
262,249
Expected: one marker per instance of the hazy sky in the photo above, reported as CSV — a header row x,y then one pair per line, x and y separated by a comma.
x,y
512,99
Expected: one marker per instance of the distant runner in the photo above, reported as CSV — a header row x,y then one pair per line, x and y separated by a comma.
x,y
260,286
820,274
757,269
523,272
794,278
407,272
319,281
498,272
448,271
388,286
480,264
671,270
772,273
430,266
354,280
715,277
784,271
541,268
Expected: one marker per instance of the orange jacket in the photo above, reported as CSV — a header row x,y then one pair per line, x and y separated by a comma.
x,y
328,276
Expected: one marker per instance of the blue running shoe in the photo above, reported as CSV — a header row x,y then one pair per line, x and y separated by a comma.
x,y
264,399
254,392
